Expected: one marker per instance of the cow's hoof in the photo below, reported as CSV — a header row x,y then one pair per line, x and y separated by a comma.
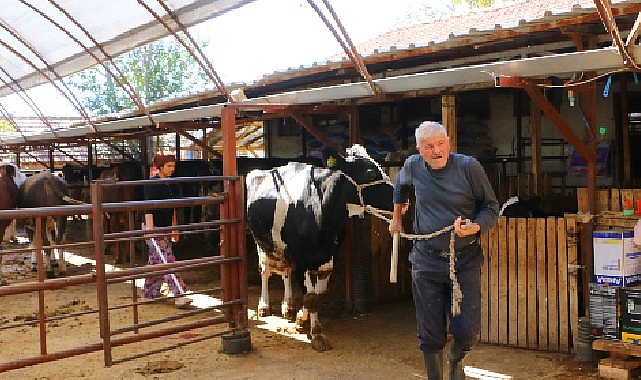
x,y
303,326
264,312
320,343
290,314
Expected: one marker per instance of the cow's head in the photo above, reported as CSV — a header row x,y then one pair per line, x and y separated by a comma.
x,y
372,186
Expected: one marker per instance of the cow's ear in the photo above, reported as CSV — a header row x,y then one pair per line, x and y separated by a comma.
x,y
331,157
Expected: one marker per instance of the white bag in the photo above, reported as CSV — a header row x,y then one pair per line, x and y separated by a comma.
x,y
637,233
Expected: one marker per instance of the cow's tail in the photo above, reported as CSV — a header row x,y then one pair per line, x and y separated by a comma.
x,y
70,200
59,193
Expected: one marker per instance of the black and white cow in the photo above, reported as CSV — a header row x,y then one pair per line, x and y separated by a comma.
x,y
297,214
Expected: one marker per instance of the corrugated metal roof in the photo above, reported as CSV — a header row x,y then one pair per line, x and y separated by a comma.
x,y
70,26
455,30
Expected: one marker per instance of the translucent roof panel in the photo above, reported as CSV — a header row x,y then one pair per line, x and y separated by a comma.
x,y
78,31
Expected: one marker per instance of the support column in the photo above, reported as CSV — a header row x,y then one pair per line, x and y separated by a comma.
x,y
448,111
535,142
354,126
625,131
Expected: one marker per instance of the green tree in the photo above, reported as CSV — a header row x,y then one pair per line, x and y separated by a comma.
x,y
155,71
477,3
423,11
6,127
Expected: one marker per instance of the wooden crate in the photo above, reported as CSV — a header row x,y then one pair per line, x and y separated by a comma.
x,y
624,361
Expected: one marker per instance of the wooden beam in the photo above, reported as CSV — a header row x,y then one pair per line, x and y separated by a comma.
x,y
178,127
320,136
536,95
625,131
228,124
634,32
535,146
448,110
354,127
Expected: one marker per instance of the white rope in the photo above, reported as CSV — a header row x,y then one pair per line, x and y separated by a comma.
x,y
457,294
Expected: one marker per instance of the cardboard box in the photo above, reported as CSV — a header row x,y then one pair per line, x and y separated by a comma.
x,y
617,260
604,319
630,317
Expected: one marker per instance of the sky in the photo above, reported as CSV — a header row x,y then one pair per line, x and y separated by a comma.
x,y
244,44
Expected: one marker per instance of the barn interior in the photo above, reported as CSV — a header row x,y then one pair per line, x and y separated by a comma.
x,y
543,93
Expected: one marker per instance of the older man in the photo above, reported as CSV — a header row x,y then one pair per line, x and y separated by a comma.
x,y
448,187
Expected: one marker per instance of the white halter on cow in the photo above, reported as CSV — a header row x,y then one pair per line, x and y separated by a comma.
x,y
297,215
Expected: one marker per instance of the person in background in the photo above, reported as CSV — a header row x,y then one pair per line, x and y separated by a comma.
x,y
448,188
160,247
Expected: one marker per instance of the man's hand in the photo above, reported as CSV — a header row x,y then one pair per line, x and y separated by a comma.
x,y
395,225
465,229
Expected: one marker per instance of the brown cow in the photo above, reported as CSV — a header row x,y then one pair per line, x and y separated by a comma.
x,y
119,221
8,198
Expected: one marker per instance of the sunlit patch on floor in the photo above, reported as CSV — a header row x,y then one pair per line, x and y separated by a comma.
x,y
478,373
277,325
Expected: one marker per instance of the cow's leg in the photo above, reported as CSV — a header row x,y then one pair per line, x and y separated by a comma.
x,y
263,303
316,283
51,265
288,307
60,259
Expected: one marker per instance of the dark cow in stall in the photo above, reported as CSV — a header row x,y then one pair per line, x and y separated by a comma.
x,y
194,168
119,221
8,194
297,215
43,190
8,198
78,179
516,207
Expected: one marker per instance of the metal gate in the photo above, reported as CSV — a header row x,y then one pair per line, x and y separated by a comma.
x,y
229,311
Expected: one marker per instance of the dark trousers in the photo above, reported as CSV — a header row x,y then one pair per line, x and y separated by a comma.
x,y
433,299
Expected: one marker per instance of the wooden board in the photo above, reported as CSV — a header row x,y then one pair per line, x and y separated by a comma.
x,y
495,280
573,274
522,284
603,200
615,202
562,290
503,322
582,199
532,309
512,283
552,286
485,286
541,275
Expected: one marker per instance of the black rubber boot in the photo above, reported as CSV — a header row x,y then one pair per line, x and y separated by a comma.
x,y
434,365
455,357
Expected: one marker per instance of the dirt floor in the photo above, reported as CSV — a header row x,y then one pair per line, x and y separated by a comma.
x,y
380,344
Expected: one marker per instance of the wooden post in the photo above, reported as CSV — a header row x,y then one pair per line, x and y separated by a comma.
x,y
625,131
354,127
448,110
535,127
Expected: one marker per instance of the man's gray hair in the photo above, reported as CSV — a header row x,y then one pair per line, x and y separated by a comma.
x,y
429,129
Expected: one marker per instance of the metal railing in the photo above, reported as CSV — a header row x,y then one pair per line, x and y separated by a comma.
x,y
231,309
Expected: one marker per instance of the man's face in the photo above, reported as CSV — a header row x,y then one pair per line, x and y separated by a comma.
x,y
167,169
435,150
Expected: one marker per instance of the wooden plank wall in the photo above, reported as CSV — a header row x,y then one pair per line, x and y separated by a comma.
x,y
610,203
529,296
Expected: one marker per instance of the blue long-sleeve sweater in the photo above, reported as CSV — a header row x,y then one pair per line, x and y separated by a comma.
x,y
461,188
